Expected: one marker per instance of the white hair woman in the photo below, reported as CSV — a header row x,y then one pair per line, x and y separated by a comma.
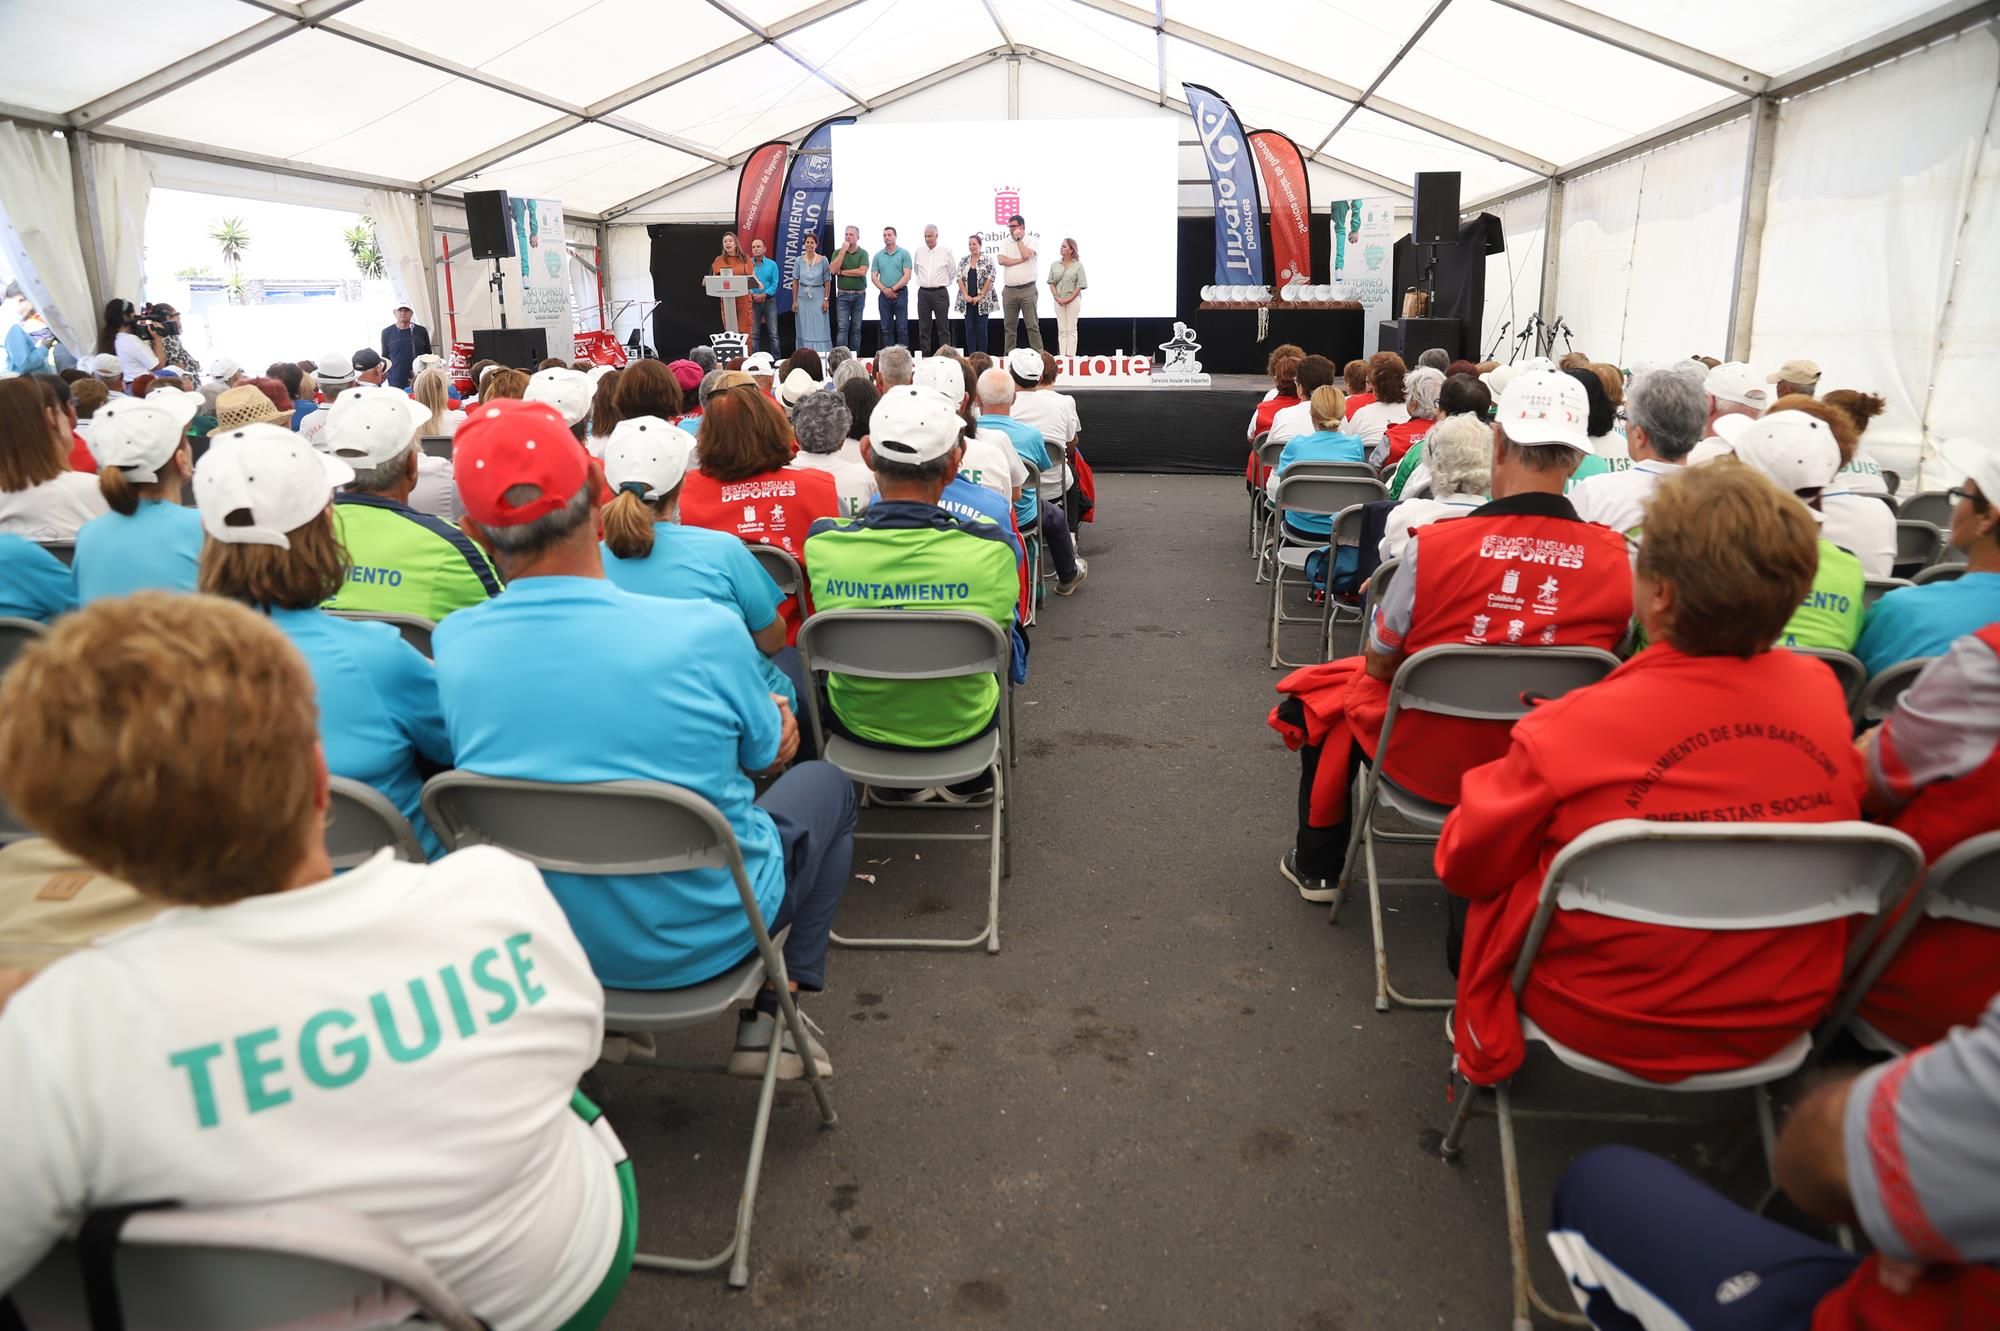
x,y
1459,453
1420,401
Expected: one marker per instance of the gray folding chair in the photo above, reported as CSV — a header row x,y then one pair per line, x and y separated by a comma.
x,y
1891,481
1846,666
416,630
1711,876
1455,679
261,1268
362,821
1874,589
1926,506
1318,496
1274,526
1918,545
437,445
1378,582
1963,885
641,827
1879,696
63,550
784,569
918,645
1032,538
1260,503
1940,572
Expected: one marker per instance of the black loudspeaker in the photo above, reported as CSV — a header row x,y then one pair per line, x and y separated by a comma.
x,y
1411,338
516,348
1433,208
491,223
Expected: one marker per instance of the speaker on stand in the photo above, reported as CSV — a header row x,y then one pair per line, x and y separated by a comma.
x,y
489,218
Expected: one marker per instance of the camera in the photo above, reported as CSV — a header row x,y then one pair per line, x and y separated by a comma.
x,y
158,320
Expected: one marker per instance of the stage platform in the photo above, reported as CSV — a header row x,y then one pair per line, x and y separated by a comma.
x,y
1187,431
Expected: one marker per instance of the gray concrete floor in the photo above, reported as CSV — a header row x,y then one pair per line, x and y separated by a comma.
x,y
1168,1102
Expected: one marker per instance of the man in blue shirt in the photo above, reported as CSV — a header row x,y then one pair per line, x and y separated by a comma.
x,y
402,342
891,270
1912,622
996,404
566,678
33,583
763,301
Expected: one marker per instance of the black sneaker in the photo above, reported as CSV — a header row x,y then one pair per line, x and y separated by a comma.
x,y
1312,889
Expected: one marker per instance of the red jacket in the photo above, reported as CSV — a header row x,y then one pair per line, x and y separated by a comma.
x,y
774,508
1669,737
1403,434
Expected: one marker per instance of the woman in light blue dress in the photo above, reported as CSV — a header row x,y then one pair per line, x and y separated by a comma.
x,y
809,297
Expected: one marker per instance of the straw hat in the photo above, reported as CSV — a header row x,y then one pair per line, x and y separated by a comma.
x,y
246,405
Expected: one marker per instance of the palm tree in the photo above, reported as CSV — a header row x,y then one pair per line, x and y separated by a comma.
x,y
233,239
366,249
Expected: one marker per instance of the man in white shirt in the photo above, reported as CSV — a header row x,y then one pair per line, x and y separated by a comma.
x,y
820,422
1666,410
989,458
1734,389
1053,413
336,374
402,1042
1019,294
936,272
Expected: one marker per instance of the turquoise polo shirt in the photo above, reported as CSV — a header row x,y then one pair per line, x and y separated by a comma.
x,y
158,548
1924,621
1028,442
378,707
575,680
1319,446
33,583
764,273
891,267
697,564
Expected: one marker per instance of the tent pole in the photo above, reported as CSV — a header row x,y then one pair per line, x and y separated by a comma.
x,y
89,224
603,263
1551,256
429,239
1013,87
1750,225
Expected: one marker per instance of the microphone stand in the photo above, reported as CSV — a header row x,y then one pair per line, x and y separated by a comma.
x,y
1521,339
1498,338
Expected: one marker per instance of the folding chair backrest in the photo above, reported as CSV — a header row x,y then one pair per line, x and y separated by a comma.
x,y
1940,573
904,644
1878,697
1357,470
1874,589
437,445
15,637
1347,524
1847,668
416,630
1965,883
62,550
1492,683
363,821
1927,506
1268,451
1917,543
1378,583
1325,496
599,829
784,569
1726,876
1891,481
242,1269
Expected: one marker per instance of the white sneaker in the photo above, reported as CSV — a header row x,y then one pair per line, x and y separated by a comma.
x,y
753,1043
1082,572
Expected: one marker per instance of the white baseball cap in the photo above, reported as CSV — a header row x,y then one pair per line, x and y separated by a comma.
x,y
1733,381
1545,407
648,455
1980,463
1708,450
1730,428
1025,364
1794,449
914,425
760,363
568,391
1497,378
106,364
430,360
370,424
942,374
798,385
336,370
222,369
257,484
1536,363
140,435
597,372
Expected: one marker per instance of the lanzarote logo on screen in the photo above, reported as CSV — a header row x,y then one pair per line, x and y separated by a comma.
x,y
1006,202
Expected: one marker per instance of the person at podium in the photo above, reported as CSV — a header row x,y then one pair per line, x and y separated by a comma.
x,y
732,262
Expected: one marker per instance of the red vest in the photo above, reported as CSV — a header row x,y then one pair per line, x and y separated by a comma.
x,y
774,508
1405,433
1947,1298
1501,579
1948,970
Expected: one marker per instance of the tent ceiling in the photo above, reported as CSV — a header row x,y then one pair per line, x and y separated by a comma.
x,y
606,103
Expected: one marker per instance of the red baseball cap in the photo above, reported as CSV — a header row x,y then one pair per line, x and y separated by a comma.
x,y
505,443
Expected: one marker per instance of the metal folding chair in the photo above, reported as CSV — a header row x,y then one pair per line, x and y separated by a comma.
x,y
1032,541
362,821
1846,667
1371,590
1711,876
1260,503
63,550
1319,496
1918,545
1891,481
1940,573
437,445
641,827
1455,679
1874,589
1880,694
917,645
1926,506
259,1268
416,630
784,569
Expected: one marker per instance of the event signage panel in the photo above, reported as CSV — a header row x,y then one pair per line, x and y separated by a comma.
x,y
1239,253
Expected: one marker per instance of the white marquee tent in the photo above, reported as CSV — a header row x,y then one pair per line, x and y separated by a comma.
x,y
1791,177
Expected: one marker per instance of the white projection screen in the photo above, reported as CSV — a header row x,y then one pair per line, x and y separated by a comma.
x,y
1110,185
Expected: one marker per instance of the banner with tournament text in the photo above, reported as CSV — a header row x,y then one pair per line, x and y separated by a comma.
x,y
1283,169
808,194
1364,261
1239,221
537,277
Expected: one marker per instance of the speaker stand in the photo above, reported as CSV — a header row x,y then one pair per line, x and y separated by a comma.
x,y
497,284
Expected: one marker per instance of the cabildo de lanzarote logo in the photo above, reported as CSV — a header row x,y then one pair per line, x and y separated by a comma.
x,y
1006,202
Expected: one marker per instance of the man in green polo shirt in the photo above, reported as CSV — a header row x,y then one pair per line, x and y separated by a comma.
x,y
907,553
850,290
400,561
891,270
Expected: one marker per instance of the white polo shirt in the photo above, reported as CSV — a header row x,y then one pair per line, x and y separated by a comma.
x,y
1863,525
1618,498
1019,274
401,1041
853,481
1290,422
1862,476
990,460
935,267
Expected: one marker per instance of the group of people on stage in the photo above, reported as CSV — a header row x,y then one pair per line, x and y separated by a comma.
x,y
829,292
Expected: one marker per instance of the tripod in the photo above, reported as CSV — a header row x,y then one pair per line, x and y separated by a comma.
x,y
498,287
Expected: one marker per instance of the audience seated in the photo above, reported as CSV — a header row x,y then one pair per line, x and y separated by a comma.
x,y
1666,413
1903,1151
989,458
649,552
907,553
1706,724
1037,403
1421,391
568,391
648,388
274,544
284,1038
745,484
797,384
248,404
148,539
604,409
998,392
1855,521
1460,455
820,424
432,389
40,497
1328,442
33,583
860,395
67,420
1388,384
1910,622
1283,367
335,375
1521,569
1462,394
674,691
1314,373
1734,389
1355,375
1862,474
1798,454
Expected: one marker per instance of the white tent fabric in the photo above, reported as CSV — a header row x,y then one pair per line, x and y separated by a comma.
x,y
39,233
405,250
124,187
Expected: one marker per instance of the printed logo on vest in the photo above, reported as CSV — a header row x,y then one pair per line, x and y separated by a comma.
x,y
1479,623
1734,1288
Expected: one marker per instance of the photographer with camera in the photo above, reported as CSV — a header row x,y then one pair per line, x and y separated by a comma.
x,y
139,341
